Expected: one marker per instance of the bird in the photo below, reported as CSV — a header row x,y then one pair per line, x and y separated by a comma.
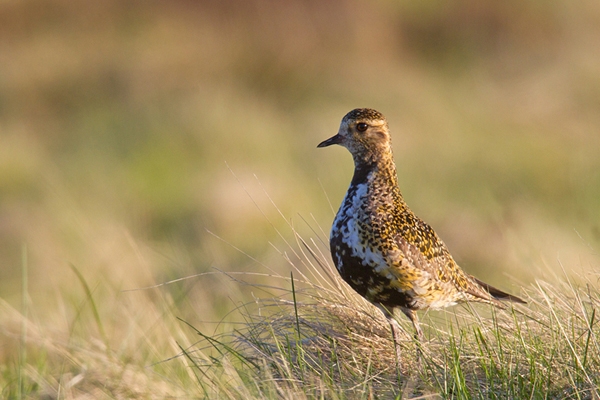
x,y
384,251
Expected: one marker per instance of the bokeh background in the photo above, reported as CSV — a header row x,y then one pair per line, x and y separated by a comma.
x,y
145,141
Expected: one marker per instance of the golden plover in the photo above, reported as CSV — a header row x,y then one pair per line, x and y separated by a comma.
x,y
380,247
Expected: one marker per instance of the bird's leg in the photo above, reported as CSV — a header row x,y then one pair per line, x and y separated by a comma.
x,y
396,336
412,315
419,337
396,333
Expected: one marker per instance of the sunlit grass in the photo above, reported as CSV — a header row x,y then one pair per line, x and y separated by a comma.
x,y
321,340
299,334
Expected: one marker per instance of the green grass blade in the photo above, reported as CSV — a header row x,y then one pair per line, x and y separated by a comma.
x,y
90,298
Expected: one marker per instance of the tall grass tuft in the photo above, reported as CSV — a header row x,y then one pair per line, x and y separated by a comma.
x,y
315,338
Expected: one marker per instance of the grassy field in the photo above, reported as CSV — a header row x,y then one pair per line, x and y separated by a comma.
x,y
160,183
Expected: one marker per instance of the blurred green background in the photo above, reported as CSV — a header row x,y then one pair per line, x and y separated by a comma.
x,y
131,130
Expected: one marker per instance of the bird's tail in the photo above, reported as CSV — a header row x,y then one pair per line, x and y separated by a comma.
x,y
499,294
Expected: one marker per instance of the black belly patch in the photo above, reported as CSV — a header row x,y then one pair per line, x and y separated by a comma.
x,y
363,277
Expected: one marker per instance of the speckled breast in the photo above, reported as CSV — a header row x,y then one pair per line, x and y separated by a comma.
x,y
360,250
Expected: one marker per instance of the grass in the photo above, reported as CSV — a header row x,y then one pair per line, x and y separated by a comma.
x,y
322,341
305,335
24,312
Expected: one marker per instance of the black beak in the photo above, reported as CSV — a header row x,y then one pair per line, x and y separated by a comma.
x,y
337,139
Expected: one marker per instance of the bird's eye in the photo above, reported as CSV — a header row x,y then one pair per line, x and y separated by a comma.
x,y
361,126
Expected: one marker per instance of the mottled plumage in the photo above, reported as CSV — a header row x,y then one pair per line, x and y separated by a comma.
x,y
380,247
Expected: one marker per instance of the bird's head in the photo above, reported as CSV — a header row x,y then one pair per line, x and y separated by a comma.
x,y
364,132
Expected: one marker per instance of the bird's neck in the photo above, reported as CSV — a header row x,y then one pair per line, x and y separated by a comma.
x,y
377,183
380,171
